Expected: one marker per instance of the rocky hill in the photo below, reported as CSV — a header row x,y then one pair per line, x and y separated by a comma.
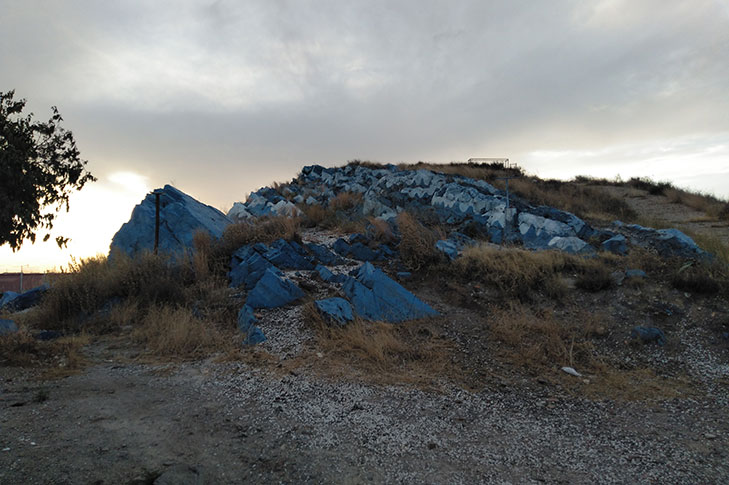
x,y
382,323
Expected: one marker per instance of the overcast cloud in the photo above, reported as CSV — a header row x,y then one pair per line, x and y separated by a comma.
x,y
223,97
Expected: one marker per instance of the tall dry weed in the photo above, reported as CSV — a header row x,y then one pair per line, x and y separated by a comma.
x,y
417,243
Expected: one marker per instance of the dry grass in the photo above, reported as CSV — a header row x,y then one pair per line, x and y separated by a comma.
x,y
417,243
380,230
345,201
538,341
265,230
82,296
177,333
382,353
515,273
62,355
594,276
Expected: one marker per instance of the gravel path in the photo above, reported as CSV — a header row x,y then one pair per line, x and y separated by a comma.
x,y
127,423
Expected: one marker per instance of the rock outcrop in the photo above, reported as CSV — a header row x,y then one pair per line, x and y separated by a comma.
x,y
180,217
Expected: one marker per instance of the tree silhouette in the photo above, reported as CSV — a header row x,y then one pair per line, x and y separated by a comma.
x,y
40,167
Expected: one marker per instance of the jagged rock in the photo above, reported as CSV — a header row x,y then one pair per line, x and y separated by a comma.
x,y
288,255
183,474
273,290
180,217
25,300
667,242
250,268
335,310
247,325
377,297
572,245
328,276
448,248
239,212
616,245
7,326
324,255
537,231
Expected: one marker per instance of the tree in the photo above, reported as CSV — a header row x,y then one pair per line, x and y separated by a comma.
x,y
40,167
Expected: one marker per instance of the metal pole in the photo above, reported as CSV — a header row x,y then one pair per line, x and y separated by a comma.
x,y
156,221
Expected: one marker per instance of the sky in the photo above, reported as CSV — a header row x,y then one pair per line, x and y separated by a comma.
x,y
222,97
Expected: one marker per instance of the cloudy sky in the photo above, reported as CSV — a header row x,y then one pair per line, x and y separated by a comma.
x,y
222,97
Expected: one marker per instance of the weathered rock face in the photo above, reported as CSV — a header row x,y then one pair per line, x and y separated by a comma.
x,y
375,296
454,200
180,217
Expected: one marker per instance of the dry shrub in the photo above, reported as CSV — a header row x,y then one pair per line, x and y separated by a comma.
x,y
536,341
513,272
316,215
417,243
345,201
380,230
265,230
176,332
594,276
96,284
202,243
705,279
63,354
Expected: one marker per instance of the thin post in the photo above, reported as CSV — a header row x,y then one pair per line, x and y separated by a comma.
x,y
506,213
156,220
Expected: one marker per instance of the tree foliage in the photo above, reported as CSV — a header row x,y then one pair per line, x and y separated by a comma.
x,y
40,167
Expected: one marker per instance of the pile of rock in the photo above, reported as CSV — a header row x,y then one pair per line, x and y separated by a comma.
x,y
366,292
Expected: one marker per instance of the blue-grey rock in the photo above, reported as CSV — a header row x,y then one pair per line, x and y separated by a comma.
x,y
404,275
649,334
324,255
617,244
635,273
335,310
246,318
7,297
377,297
362,252
288,255
447,247
341,247
25,300
571,245
273,290
330,277
537,231
251,268
7,326
181,217
254,336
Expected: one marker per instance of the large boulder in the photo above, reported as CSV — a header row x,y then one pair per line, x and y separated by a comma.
x,y
181,217
248,266
273,290
377,297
